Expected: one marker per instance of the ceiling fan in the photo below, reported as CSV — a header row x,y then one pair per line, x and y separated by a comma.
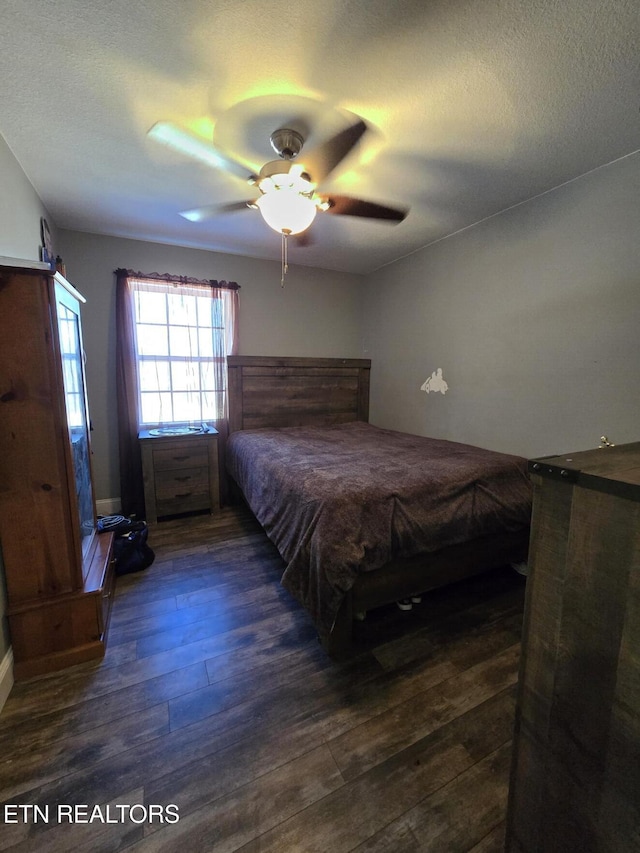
x,y
288,198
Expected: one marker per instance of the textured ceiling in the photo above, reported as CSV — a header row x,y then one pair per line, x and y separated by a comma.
x,y
473,106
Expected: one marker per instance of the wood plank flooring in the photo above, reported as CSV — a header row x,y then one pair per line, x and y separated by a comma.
x,y
215,696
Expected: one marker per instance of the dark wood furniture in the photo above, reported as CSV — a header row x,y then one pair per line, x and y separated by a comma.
x,y
180,473
59,570
278,392
575,781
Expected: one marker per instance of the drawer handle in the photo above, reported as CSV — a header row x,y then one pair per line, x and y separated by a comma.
x,y
185,495
179,458
183,479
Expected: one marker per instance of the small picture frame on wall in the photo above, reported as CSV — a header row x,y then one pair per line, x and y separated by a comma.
x,y
46,250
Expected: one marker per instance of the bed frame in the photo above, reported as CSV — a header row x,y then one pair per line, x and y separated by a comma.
x,y
277,392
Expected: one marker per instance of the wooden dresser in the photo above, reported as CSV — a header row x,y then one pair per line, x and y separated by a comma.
x,y
58,569
180,473
575,783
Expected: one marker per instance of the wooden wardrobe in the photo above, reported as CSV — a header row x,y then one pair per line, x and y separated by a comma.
x,y
58,569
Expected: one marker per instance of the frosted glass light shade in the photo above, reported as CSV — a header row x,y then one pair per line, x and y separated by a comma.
x,y
286,211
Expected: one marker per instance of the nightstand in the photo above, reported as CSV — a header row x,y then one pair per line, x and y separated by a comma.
x,y
180,473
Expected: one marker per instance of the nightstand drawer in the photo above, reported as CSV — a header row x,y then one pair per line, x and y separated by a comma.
x,y
185,482
167,459
183,502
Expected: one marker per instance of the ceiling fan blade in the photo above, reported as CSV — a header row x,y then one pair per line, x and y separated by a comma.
x,y
199,214
342,205
185,142
303,239
323,159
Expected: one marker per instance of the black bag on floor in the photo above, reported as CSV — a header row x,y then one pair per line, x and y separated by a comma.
x,y
130,549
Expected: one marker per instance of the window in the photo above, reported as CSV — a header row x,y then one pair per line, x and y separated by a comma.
x,y
183,333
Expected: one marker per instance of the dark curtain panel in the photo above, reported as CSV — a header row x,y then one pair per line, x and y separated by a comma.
x,y
230,348
131,482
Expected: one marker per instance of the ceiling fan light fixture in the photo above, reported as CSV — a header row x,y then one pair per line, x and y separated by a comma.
x,y
287,211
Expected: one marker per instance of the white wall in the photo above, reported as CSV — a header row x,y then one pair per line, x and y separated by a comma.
x,y
317,313
20,211
533,316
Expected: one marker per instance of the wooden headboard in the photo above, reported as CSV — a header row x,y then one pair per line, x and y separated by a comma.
x,y
277,392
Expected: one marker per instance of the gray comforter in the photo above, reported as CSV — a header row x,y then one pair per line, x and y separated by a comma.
x,y
344,499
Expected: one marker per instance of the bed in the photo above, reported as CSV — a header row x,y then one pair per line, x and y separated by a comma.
x,y
363,516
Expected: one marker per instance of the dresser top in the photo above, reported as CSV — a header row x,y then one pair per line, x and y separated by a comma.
x,y
614,469
177,434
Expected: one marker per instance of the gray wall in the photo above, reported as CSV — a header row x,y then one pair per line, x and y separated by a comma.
x,y
533,316
20,212
317,313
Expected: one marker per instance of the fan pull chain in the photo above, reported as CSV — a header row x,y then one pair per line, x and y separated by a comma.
x,y
285,255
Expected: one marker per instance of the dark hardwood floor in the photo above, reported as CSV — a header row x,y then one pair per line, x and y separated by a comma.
x,y
215,696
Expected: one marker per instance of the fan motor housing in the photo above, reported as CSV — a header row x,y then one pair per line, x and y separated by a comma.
x,y
287,143
275,167
280,167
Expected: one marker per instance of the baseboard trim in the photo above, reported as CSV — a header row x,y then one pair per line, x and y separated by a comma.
x,y
108,506
6,676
